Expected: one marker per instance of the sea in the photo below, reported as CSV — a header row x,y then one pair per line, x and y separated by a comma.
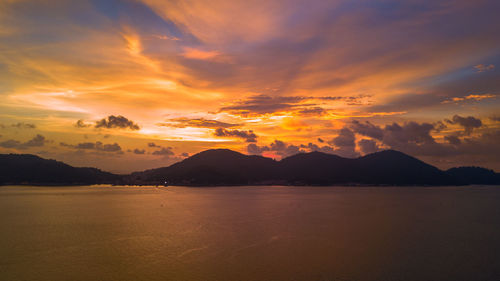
x,y
249,233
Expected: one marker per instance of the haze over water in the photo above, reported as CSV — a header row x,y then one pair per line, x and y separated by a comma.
x,y
249,233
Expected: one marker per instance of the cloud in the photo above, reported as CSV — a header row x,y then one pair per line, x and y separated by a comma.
x,y
97,146
468,123
254,149
454,140
81,124
152,144
249,136
139,151
343,148
495,118
416,138
197,54
36,141
367,129
197,123
283,149
345,144
409,132
313,147
10,144
164,151
265,104
368,146
279,147
345,138
410,137
119,122
483,67
471,97
313,111
22,125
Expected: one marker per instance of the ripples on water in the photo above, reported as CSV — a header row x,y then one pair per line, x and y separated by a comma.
x,y
249,233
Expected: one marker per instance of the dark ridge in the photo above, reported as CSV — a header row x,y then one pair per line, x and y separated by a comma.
x,y
31,169
212,167
474,175
226,167
396,168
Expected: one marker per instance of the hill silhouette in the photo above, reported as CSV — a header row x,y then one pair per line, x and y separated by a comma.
x,y
213,167
474,175
31,169
226,167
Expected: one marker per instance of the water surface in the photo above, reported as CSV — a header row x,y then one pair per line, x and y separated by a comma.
x,y
249,233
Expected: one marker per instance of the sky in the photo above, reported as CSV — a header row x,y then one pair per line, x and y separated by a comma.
x,y
127,85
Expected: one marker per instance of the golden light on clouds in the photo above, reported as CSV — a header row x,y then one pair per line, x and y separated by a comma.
x,y
299,72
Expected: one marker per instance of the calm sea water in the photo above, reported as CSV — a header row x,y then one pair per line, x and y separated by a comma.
x,y
249,233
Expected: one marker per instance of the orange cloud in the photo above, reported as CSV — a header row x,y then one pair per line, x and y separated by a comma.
x,y
192,53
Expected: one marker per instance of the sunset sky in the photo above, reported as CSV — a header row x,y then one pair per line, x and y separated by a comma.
x,y
132,85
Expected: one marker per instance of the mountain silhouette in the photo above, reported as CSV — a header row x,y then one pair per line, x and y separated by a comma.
x,y
213,167
226,167
31,169
217,167
474,175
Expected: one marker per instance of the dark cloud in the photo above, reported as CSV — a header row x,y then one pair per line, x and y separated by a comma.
x,y
313,111
454,140
81,124
139,151
367,129
409,137
416,139
197,123
10,144
97,146
22,125
36,141
254,149
164,151
410,132
439,126
248,136
468,123
321,140
345,138
313,147
495,118
279,147
152,144
368,146
118,122
283,149
262,104
344,143
185,154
